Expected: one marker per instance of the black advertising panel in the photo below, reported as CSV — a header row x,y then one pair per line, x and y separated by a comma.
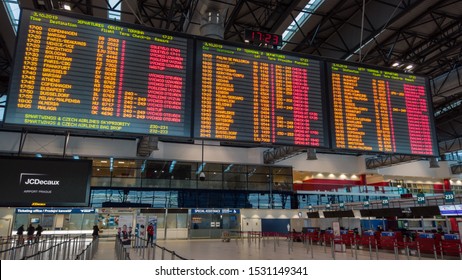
x,y
338,214
253,95
312,214
383,212
380,111
75,73
44,182
425,211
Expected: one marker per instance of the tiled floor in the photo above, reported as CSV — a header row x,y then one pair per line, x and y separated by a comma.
x,y
244,249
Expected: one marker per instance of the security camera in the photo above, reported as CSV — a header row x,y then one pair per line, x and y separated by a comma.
x,y
202,176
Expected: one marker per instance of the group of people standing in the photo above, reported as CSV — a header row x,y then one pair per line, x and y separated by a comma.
x,y
30,234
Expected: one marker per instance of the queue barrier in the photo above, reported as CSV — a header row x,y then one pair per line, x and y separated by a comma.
x,y
50,247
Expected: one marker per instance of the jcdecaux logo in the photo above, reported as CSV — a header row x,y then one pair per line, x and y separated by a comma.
x,y
37,179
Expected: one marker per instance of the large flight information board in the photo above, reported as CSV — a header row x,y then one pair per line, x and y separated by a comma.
x,y
259,96
380,111
75,73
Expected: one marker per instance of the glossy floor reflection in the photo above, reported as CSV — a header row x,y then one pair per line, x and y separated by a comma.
x,y
244,249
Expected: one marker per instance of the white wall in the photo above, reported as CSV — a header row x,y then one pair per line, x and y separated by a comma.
x,y
6,221
418,169
325,163
212,153
269,214
54,145
357,165
107,147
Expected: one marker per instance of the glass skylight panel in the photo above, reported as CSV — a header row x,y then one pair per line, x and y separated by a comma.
x,y
300,20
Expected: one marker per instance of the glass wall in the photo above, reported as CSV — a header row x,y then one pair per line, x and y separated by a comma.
x,y
174,184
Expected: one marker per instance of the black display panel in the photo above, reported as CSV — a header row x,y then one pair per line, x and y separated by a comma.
x,y
44,182
338,214
257,95
380,111
312,214
77,73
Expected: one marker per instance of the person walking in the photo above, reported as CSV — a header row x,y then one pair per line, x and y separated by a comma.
x,y
38,234
20,233
95,233
150,234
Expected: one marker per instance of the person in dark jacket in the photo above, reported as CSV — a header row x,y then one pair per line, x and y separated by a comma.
x,y
95,233
20,233
30,233
38,233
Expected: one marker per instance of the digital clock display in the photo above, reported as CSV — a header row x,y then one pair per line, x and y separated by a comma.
x,y
259,37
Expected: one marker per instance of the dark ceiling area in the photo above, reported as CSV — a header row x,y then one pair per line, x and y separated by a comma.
x,y
424,33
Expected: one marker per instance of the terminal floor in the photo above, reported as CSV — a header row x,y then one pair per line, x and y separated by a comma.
x,y
240,249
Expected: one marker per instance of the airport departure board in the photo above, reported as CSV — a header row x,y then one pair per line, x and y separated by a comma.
x,y
259,96
76,73
380,111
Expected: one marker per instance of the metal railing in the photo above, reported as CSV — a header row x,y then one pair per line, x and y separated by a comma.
x,y
152,251
51,247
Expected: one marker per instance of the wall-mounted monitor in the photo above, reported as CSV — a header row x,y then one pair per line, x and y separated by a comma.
x,y
81,73
44,182
377,110
256,95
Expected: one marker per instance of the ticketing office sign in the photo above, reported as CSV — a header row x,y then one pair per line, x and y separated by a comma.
x,y
54,211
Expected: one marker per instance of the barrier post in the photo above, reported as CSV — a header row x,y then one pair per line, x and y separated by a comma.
x,y
376,249
407,251
434,251
274,242
325,245
163,253
173,255
306,240
460,251
332,248
395,247
370,248
149,249
356,252
288,246
418,249
351,247
311,249
441,250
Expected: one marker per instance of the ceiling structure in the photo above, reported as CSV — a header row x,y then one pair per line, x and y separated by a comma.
x,y
426,34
